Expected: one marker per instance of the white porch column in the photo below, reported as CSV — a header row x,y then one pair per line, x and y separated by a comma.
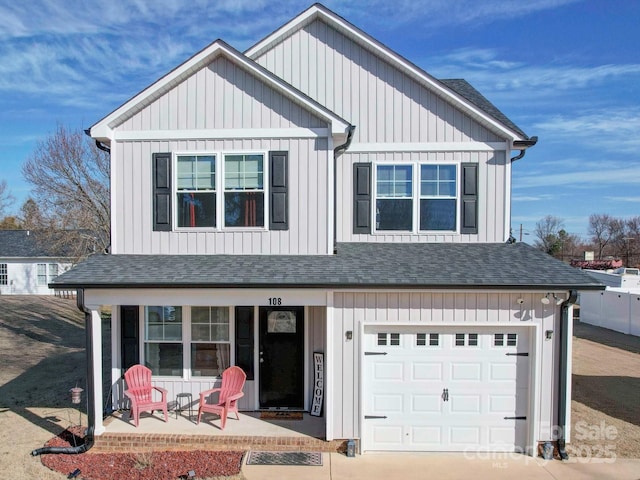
x,y
96,367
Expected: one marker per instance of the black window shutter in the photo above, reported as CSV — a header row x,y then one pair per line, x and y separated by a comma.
x,y
469,198
161,192
361,198
129,336
244,340
278,191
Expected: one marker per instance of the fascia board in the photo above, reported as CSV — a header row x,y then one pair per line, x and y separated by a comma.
x,y
368,42
104,128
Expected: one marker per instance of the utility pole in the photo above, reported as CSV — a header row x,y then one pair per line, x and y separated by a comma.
x,y
628,239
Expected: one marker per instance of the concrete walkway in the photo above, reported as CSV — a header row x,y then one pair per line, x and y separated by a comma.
x,y
443,466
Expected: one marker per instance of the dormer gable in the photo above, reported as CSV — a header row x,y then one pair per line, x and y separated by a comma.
x,y
221,59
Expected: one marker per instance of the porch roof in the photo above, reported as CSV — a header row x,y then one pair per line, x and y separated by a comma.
x,y
356,265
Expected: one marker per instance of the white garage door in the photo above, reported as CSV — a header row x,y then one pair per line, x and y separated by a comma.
x,y
445,388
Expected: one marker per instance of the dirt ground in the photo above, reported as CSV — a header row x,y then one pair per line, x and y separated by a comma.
x,y
42,358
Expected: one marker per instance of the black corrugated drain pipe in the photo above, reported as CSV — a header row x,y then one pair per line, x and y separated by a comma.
x,y
91,414
563,373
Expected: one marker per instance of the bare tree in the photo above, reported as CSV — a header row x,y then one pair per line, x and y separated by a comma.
x,y
70,179
6,199
600,231
547,232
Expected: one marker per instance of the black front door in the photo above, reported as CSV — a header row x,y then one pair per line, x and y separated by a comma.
x,y
281,357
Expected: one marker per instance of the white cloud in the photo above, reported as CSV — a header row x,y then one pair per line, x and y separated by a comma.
x,y
436,13
606,174
611,129
627,199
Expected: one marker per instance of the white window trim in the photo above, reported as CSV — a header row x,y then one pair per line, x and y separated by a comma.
x,y
4,273
186,342
415,197
265,190
219,156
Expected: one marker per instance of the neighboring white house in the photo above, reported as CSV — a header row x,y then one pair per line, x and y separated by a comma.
x,y
617,307
321,193
26,267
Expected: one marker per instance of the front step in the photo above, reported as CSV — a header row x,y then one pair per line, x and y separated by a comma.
x,y
148,442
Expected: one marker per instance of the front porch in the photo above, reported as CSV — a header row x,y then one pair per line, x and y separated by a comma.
x,y
182,433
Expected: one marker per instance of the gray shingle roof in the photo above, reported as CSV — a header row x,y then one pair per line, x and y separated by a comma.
x,y
369,265
464,88
21,244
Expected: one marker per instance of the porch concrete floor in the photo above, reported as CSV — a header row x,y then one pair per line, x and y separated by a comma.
x,y
249,425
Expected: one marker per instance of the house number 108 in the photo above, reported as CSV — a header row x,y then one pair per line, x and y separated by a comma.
x,y
275,301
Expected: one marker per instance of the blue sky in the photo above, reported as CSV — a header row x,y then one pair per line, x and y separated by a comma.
x,y
567,71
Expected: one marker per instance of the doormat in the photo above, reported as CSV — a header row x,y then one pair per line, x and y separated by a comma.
x,y
312,459
281,415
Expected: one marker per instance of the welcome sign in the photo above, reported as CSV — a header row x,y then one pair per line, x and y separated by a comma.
x,y
318,384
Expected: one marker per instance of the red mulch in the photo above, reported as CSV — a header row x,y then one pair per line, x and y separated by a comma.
x,y
138,466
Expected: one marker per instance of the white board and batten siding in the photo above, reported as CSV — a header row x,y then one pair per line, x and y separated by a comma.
x,y
469,312
385,104
397,119
494,176
315,341
193,118
308,205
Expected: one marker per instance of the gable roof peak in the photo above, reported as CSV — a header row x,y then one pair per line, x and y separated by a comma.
x,y
491,117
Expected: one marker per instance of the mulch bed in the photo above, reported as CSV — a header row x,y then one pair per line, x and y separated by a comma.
x,y
138,466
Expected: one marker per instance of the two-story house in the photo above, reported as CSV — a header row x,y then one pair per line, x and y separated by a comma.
x,y
319,193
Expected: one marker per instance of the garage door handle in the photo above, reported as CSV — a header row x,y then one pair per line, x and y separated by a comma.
x,y
375,353
519,354
368,417
515,418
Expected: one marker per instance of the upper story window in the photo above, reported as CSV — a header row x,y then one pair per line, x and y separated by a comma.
x,y
438,192
394,192
244,190
196,190
402,207
199,178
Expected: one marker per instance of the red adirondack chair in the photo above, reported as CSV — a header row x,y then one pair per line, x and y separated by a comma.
x,y
233,379
140,392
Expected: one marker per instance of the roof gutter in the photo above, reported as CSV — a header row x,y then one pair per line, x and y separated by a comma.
x,y
99,144
336,151
522,145
89,439
563,373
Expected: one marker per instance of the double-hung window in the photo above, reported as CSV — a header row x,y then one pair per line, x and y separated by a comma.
x,y
196,190
210,341
42,274
244,190
163,340
240,178
394,202
438,193
402,207
4,277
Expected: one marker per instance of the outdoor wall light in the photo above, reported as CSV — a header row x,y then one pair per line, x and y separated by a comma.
x,y
548,334
349,334
520,301
558,300
545,300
